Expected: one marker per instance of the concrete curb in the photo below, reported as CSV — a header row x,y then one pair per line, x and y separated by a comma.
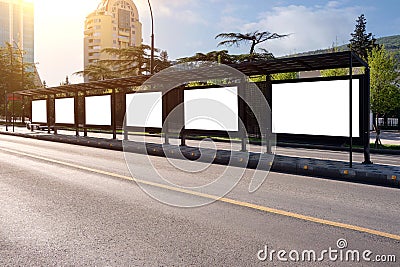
x,y
281,164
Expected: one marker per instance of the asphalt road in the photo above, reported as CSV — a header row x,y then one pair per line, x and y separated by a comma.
x,y
69,205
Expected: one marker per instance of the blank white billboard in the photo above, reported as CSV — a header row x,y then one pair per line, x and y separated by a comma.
x,y
211,109
65,110
315,108
98,110
144,109
39,111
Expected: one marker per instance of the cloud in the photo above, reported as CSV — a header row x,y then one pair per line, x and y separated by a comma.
x,y
312,27
179,10
225,23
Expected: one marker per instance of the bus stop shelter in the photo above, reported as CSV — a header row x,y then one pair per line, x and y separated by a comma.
x,y
117,89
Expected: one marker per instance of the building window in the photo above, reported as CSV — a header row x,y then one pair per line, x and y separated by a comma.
x,y
123,19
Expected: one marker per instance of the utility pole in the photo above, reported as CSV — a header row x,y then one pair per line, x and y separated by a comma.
x,y
9,85
22,70
152,40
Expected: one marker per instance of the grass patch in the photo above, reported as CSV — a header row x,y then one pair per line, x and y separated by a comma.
x,y
390,147
372,146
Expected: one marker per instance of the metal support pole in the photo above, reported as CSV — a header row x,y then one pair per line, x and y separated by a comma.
x,y
125,107
113,117
23,109
13,112
125,133
30,108
48,113
76,113
268,97
351,110
244,143
152,40
10,82
84,114
366,109
183,138
54,114
6,109
242,117
166,135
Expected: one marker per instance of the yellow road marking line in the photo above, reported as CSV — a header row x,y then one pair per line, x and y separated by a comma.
x,y
217,198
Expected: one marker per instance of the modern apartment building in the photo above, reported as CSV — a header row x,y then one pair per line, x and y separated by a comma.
x,y
114,24
17,26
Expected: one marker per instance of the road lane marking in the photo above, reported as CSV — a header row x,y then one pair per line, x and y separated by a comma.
x,y
213,197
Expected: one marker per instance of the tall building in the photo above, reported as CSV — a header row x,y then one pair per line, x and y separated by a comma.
x,y
114,24
17,26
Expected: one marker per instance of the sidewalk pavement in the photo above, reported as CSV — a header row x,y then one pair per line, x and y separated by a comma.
x,y
387,137
378,174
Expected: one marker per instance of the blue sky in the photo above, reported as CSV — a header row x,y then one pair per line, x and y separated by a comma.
x,y
184,27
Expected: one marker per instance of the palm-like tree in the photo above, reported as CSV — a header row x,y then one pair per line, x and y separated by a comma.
x,y
254,38
161,62
221,56
130,61
125,62
98,71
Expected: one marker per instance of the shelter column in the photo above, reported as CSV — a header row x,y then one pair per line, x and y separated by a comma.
x,y
113,111
242,116
13,112
366,116
76,112
23,109
351,111
48,112
84,114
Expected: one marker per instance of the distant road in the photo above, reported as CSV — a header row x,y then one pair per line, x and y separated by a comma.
x,y
72,205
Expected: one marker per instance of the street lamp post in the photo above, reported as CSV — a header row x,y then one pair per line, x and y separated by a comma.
x,y
9,85
22,77
152,40
22,82
5,108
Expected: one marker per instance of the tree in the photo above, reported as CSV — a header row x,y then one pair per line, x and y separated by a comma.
x,y
125,62
284,76
361,42
98,71
335,72
254,38
161,62
221,56
15,74
252,57
224,57
385,90
66,82
130,61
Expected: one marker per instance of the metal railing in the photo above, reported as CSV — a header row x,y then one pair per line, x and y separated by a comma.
x,y
391,122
